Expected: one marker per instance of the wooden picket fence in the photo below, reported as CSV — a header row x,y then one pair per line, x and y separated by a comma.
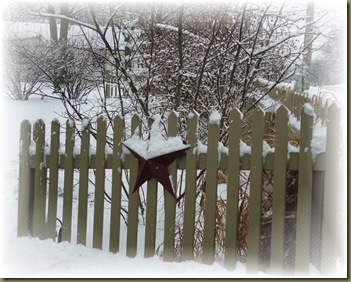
x,y
317,182
294,100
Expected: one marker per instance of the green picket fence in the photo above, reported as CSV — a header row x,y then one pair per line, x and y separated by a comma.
x,y
317,179
294,100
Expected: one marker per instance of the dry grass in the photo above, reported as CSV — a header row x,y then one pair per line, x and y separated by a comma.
x,y
243,220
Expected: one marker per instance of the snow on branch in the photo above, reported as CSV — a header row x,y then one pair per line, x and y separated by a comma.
x,y
175,29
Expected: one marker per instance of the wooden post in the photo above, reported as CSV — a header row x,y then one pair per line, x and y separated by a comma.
x,y
304,200
331,191
235,123
190,190
280,168
68,182
253,240
99,184
116,185
53,180
39,224
24,180
83,185
170,201
133,204
211,194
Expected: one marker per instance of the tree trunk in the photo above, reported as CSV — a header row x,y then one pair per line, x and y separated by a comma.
x,y
64,22
52,24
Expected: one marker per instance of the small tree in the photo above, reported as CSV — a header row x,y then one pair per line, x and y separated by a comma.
x,y
22,78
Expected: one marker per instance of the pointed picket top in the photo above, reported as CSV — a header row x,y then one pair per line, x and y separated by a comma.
x,y
282,110
25,123
193,114
39,138
333,109
136,125
85,124
39,125
118,121
235,114
258,113
173,124
70,123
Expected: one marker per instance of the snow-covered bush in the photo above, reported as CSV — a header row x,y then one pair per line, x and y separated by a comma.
x,y
21,77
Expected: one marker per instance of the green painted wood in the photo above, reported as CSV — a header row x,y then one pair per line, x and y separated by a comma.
x,y
116,185
211,194
151,215
245,162
279,190
169,200
83,186
150,221
253,244
304,201
317,217
331,191
68,183
39,224
24,180
233,182
190,189
99,184
53,179
133,203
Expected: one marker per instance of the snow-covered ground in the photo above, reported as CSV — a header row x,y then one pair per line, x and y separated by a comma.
x,y
31,257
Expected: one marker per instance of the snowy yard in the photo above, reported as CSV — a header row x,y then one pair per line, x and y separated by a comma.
x,y
31,257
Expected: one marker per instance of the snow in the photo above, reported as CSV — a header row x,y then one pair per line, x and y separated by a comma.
x,y
156,145
85,123
318,142
266,149
32,148
215,118
308,110
33,258
244,149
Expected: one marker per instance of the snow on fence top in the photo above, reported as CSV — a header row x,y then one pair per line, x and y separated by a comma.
x,y
158,144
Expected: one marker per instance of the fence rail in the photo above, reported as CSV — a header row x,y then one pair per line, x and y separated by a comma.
x,y
38,201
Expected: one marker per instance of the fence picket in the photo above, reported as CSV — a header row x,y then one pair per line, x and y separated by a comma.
x,y
24,194
53,180
68,183
170,201
233,183
116,185
303,213
190,189
151,213
329,226
39,225
280,169
211,194
99,183
83,185
133,203
253,238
